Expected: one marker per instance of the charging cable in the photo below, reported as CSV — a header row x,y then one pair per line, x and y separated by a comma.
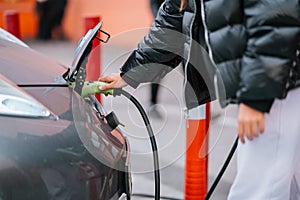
x,y
119,91
224,167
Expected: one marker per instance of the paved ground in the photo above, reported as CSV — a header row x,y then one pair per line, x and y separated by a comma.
x,y
169,130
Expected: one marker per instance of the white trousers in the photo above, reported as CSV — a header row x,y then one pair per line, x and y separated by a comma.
x,y
268,167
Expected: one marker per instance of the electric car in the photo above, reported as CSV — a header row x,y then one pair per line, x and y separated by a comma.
x,y
54,143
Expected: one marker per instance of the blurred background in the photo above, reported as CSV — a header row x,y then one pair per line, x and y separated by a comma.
x,y
118,16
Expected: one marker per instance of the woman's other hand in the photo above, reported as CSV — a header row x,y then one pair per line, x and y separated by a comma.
x,y
251,122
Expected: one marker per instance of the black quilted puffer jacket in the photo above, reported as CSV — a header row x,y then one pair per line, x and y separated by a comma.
x,y
235,50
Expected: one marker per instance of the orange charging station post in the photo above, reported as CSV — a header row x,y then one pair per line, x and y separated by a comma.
x,y
196,164
93,68
12,22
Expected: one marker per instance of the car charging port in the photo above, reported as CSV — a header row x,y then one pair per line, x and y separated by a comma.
x,y
113,120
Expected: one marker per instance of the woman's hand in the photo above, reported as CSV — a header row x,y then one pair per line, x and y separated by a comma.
x,y
114,80
251,122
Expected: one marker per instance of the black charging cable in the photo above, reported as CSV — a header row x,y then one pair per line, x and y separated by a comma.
x,y
119,91
224,167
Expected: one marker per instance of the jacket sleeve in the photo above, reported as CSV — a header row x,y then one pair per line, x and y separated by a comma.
x,y
160,50
273,29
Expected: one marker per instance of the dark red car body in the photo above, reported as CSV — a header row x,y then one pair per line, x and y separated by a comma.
x,y
71,153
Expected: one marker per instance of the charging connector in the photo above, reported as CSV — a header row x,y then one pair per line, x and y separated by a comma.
x,y
92,87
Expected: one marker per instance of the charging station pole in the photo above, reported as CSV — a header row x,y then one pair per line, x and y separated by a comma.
x,y
93,68
196,164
